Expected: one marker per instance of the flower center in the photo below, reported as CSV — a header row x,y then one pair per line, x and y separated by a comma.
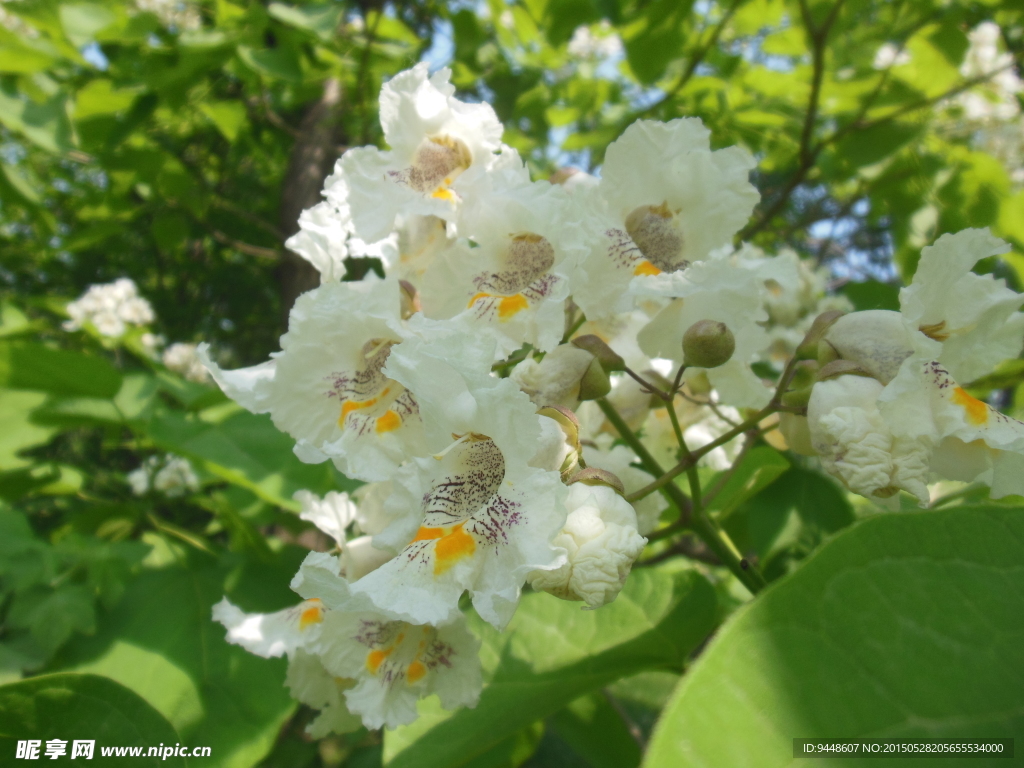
x,y
398,651
522,279
370,401
438,160
653,228
471,474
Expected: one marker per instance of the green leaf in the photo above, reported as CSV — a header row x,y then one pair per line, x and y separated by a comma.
x,y
758,469
229,117
872,294
53,616
161,642
17,429
597,732
23,184
275,62
46,124
69,707
321,19
908,624
247,450
553,653
81,21
25,365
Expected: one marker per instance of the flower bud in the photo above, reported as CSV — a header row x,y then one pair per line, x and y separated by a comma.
x,y
796,430
595,476
595,382
838,368
595,345
808,348
565,457
410,299
876,339
708,344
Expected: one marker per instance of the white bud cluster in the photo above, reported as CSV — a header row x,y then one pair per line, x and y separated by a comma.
x,y
170,475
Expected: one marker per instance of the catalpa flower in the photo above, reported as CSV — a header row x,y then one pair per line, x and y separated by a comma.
x,y
665,200
321,239
326,388
392,663
912,417
294,633
434,138
601,539
334,514
513,266
475,516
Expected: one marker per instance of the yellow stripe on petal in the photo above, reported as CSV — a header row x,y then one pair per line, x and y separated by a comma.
x,y
452,545
375,658
511,306
312,615
415,672
646,268
976,411
389,422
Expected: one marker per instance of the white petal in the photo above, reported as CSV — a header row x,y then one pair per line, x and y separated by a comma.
x,y
272,634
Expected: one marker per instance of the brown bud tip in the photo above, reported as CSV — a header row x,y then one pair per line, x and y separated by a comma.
x,y
595,476
708,344
808,348
595,383
567,420
595,345
562,175
410,299
838,368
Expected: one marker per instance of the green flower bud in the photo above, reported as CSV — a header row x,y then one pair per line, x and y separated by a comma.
x,y
595,345
808,349
595,383
708,344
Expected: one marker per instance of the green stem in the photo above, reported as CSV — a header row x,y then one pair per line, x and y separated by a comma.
x,y
716,539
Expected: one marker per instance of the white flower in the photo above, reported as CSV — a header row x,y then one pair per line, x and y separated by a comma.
x,y
323,232
586,44
514,277
601,539
182,358
171,475
393,662
889,55
665,200
555,380
477,516
973,441
856,443
434,138
620,460
311,684
110,308
370,515
294,633
272,634
974,316
326,387
332,514
730,290
176,477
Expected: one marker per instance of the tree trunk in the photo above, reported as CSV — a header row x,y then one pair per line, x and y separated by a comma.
x,y
311,161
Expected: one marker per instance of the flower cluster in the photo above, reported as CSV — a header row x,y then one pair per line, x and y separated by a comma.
x,y
173,476
460,387
110,308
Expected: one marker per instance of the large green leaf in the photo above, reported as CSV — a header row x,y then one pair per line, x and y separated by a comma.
x,y
247,450
553,653
161,642
905,625
83,707
34,366
17,429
